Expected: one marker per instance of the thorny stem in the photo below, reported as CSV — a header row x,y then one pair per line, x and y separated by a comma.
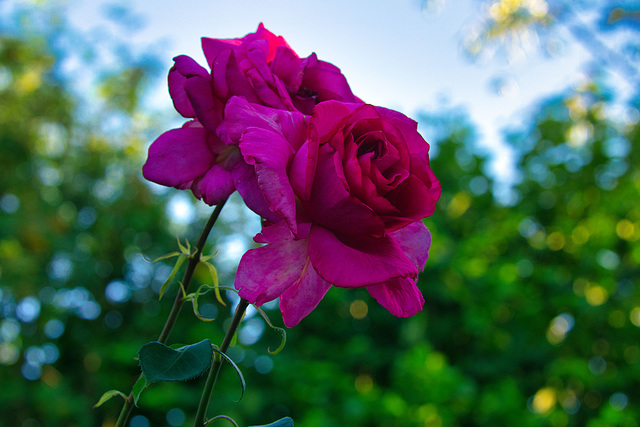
x,y
177,303
217,363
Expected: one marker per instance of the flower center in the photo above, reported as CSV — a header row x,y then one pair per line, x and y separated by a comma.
x,y
307,93
370,143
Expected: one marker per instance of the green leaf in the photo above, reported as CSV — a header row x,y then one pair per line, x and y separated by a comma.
x,y
171,255
185,250
208,257
162,363
138,388
108,395
214,278
234,367
282,422
169,280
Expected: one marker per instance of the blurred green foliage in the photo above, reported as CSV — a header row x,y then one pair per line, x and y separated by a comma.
x,y
532,311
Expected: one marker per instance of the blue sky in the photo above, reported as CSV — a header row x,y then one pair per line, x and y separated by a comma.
x,y
393,53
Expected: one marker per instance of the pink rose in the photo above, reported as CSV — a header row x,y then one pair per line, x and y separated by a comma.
x,y
349,186
259,67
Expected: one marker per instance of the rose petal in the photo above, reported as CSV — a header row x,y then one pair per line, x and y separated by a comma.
x,y
303,169
413,198
409,128
245,181
213,47
215,186
415,240
184,67
207,109
327,81
274,42
188,67
178,156
228,72
265,273
256,54
302,297
327,118
352,169
286,65
331,205
400,296
265,137
303,294
271,154
421,168
273,233
359,262
218,74
270,92
241,114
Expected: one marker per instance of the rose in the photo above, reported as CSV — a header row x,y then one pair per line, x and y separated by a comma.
x,y
195,156
350,186
260,67
342,192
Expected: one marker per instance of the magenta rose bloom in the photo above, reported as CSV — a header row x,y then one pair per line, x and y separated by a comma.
x,y
349,187
259,67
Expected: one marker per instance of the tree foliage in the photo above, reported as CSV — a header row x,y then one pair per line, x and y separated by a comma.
x,y
608,30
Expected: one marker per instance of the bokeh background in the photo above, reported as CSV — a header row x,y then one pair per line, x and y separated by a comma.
x,y
532,311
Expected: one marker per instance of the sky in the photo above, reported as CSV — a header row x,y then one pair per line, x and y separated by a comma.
x,y
393,53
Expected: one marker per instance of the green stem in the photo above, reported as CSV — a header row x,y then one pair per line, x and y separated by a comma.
x,y
177,303
217,363
188,273
126,411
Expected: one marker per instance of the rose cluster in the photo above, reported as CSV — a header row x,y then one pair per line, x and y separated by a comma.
x,y
342,186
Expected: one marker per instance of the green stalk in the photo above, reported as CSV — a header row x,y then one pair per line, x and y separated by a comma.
x,y
188,273
217,364
177,303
